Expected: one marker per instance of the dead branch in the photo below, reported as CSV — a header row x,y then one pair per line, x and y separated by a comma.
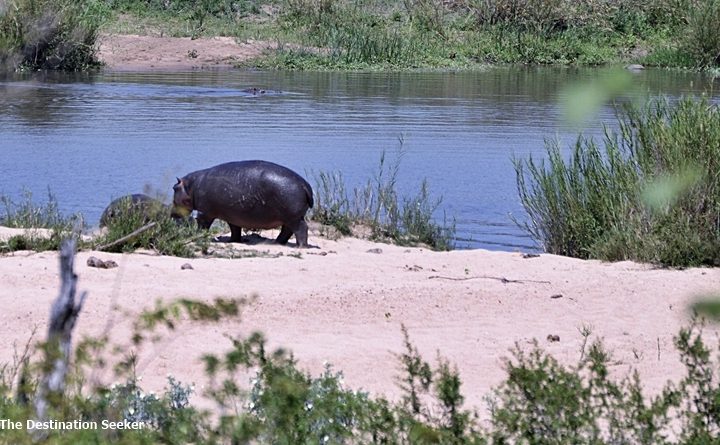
x,y
130,236
63,316
501,279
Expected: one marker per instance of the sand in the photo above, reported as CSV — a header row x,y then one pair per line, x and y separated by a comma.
x,y
145,53
344,302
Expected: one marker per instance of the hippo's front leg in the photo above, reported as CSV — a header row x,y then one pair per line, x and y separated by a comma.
x,y
204,221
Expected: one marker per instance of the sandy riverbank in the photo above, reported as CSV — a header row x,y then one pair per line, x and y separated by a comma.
x,y
344,301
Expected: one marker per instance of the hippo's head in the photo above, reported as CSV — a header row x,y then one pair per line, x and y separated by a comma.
x,y
182,200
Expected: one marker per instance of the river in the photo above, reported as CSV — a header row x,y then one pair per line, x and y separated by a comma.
x,y
92,137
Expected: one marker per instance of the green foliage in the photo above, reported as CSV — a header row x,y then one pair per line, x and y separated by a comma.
x,y
190,18
168,236
29,215
50,34
46,225
170,314
543,402
377,205
651,194
287,406
701,41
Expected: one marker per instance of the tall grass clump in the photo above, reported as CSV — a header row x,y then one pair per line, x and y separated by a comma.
x,y
406,220
50,34
701,41
355,35
650,193
46,225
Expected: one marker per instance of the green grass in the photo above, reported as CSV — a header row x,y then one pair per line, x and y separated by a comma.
x,y
378,205
412,34
651,192
167,237
28,214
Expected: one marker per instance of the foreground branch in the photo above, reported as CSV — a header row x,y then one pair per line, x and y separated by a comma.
x,y
63,316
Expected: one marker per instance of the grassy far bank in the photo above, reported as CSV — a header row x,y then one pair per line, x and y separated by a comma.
x,y
380,34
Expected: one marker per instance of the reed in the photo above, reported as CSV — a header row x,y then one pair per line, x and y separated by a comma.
x,y
650,193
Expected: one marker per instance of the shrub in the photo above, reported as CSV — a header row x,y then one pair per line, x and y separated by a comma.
x,y
161,232
651,194
50,34
540,402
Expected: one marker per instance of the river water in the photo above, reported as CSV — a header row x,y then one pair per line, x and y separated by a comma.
x,y
92,137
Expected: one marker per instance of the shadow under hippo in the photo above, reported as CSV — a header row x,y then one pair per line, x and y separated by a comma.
x,y
247,194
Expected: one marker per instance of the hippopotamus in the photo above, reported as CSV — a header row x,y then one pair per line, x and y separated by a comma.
x,y
247,194
148,206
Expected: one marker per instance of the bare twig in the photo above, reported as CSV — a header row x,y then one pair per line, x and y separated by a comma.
x,y
63,316
501,279
132,235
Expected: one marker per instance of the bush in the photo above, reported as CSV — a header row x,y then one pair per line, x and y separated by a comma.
x,y
539,402
161,232
50,34
651,194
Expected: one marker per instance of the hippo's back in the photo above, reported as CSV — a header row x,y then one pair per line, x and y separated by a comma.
x,y
265,176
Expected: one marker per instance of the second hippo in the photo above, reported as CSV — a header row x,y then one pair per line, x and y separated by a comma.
x,y
247,194
145,205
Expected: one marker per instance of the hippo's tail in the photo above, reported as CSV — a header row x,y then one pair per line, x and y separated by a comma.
x,y
309,194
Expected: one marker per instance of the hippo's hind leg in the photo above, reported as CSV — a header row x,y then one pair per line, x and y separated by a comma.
x,y
285,234
300,229
235,233
301,234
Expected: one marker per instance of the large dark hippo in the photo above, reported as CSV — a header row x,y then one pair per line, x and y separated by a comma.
x,y
249,194
149,207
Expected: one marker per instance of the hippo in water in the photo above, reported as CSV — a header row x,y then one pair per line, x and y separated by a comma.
x,y
149,207
249,194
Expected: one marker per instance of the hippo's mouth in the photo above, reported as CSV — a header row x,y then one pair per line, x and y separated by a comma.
x,y
181,211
